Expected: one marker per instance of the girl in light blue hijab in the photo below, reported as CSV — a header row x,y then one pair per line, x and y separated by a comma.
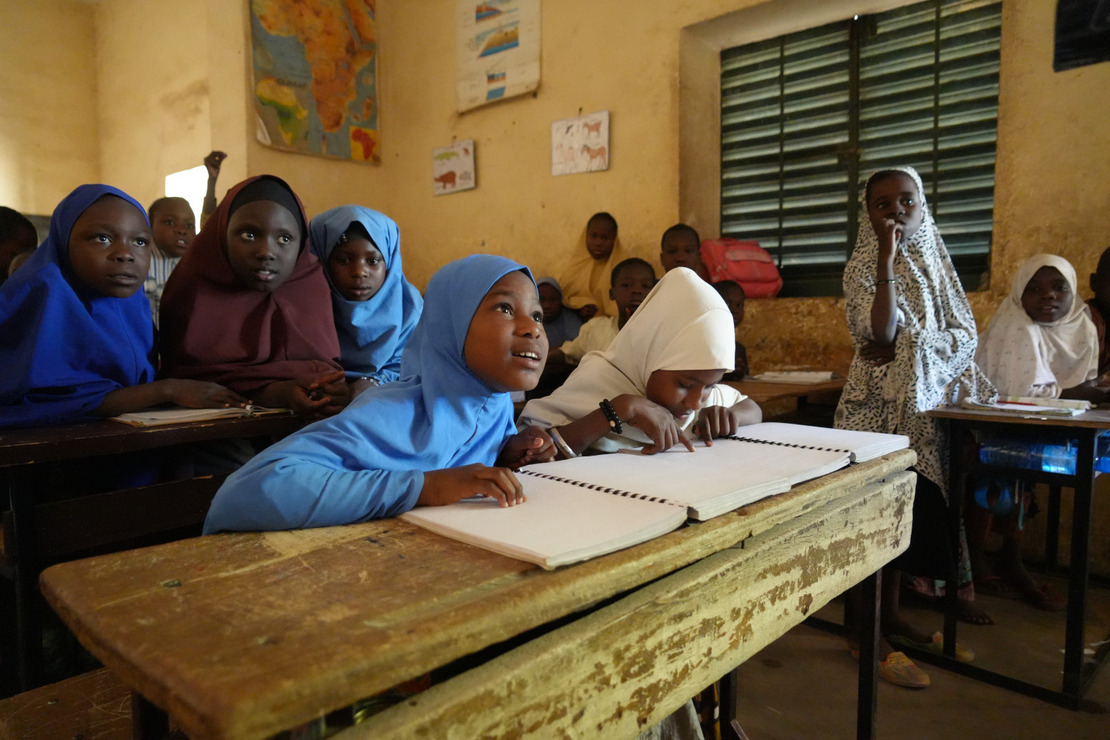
x,y
375,307
427,439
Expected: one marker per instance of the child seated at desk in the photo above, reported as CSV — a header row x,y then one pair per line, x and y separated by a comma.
x,y
428,439
681,247
1100,308
644,390
559,322
375,307
249,306
173,226
1040,343
599,250
75,326
733,294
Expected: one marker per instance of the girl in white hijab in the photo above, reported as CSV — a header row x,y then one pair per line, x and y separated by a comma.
x,y
663,366
1041,341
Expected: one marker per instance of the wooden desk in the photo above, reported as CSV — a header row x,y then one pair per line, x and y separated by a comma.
x,y
1085,428
43,526
244,635
790,401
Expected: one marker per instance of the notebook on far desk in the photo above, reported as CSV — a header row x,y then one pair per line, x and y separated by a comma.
x,y
178,415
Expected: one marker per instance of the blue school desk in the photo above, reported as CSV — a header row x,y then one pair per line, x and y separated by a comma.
x,y
248,634
42,525
1085,428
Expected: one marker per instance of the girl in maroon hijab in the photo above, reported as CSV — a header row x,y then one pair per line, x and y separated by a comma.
x,y
249,306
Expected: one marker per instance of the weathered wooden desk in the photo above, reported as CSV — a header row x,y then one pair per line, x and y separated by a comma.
x,y
42,525
1085,429
791,401
245,635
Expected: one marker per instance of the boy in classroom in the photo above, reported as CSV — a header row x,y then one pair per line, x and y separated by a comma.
x,y
584,280
75,327
443,433
375,307
250,268
733,294
681,247
173,225
656,382
1100,308
17,237
631,281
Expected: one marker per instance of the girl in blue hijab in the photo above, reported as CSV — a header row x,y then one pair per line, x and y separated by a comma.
x,y
75,327
375,307
427,439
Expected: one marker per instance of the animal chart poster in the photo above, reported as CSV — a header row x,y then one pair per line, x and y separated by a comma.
x,y
580,144
453,168
498,50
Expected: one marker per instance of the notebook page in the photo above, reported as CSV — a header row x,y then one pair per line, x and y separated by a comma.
x,y
862,446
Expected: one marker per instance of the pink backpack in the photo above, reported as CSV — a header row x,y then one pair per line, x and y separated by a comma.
x,y
745,262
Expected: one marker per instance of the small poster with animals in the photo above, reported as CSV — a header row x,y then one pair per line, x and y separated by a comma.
x,y
453,167
580,144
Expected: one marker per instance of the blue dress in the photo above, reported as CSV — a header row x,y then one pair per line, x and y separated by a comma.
x,y
368,461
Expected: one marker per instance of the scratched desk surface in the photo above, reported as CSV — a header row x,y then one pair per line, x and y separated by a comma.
x,y
244,635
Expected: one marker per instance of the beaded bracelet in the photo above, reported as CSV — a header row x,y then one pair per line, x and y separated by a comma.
x,y
561,443
611,414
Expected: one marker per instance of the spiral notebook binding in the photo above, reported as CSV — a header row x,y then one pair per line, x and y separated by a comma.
x,y
734,438
601,488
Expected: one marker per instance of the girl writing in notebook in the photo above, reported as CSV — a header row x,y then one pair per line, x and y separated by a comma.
x,y
375,307
249,268
429,439
75,326
914,336
656,384
1040,343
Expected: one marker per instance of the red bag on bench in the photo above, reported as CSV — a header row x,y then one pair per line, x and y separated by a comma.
x,y
743,261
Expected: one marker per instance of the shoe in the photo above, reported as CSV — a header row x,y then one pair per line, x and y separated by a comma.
x,y
901,671
935,645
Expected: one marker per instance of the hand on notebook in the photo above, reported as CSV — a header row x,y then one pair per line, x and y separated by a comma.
x,y
531,445
653,420
442,487
198,394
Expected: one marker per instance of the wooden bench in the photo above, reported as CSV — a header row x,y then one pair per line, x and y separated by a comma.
x,y
92,706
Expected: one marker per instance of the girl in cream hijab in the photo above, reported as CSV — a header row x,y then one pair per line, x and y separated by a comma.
x,y
1041,341
656,382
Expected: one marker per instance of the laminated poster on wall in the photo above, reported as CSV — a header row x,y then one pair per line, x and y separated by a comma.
x,y
453,167
316,77
497,49
580,144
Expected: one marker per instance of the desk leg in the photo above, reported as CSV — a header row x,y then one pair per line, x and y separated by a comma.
x,y
1052,529
867,701
957,482
147,720
1079,568
28,605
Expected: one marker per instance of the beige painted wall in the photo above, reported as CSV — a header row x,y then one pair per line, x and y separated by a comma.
x,y
48,127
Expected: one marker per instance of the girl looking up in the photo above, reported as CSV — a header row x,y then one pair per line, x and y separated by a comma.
x,y
75,327
428,439
656,381
914,336
375,307
585,279
249,306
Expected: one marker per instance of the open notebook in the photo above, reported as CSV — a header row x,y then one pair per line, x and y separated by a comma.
x,y
589,506
179,415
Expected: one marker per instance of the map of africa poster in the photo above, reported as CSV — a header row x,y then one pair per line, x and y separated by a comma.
x,y
315,76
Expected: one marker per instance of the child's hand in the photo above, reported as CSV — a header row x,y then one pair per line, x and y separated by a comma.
x,y
716,421
587,312
198,394
889,232
212,162
322,395
442,487
653,420
532,445
875,354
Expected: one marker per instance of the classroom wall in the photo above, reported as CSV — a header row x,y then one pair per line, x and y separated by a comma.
x,y
49,135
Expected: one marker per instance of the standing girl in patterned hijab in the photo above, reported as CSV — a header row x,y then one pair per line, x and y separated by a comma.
x,y
915,338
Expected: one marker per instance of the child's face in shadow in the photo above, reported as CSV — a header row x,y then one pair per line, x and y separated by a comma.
x,y
506,346
601,235
680,249
356,267
109,247
895,198
1100,286
551,302
682,392
734,299
173,226
630,288
263,242
1047,296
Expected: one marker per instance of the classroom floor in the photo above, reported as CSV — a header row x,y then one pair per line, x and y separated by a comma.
x,y
803,686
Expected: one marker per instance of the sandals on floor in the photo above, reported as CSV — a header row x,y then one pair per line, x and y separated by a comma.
x,y
935,645
901,671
